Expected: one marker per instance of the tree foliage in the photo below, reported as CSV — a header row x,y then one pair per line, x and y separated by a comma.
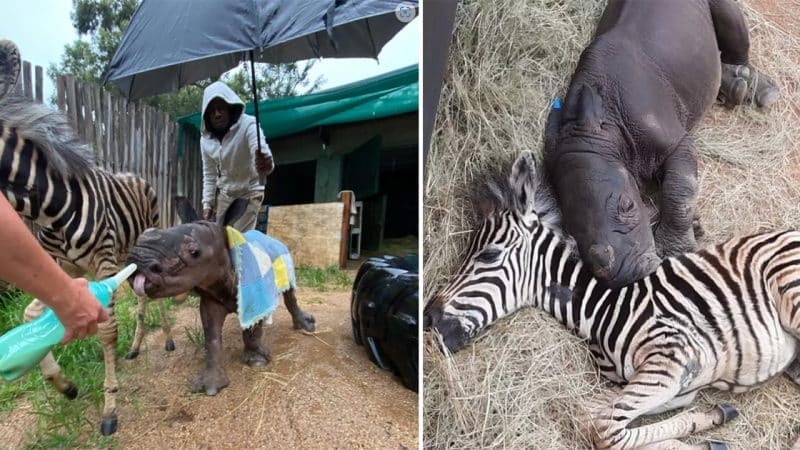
x,y
273,81
101,24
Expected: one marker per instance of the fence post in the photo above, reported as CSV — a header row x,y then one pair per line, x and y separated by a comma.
x,y
39,84
125,137
27,89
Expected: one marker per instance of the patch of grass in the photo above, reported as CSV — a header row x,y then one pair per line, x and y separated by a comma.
x,y
312,301
195,336
327,279
193,301
64,423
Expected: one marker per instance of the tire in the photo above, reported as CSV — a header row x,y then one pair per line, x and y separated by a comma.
x,y
384,313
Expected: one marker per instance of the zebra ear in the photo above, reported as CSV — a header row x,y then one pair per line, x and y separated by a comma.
x,y
185,210
524,180
9,66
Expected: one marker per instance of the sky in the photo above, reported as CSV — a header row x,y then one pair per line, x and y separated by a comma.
x,y
41,28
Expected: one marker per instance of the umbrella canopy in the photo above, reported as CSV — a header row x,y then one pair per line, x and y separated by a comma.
x,y
171,44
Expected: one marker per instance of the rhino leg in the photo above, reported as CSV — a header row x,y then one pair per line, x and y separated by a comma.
x,y
300,318
675,232
255,354
213,376
731,30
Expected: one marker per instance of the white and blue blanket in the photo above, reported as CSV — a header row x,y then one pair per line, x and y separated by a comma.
x,y
264,270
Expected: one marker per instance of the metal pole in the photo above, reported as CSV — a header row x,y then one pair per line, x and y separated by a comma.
x,y
255,97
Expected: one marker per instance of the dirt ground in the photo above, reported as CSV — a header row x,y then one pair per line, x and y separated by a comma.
x,y
319,391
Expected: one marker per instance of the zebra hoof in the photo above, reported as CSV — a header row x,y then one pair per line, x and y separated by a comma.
x,y
728,412
132,354
71,392
170,346
109,425
715,445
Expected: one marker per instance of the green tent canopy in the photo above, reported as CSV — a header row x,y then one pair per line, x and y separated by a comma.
x,y
382,96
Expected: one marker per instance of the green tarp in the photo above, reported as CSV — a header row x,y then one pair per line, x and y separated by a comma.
x,y
386,95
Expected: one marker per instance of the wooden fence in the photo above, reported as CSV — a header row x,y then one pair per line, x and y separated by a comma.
x,y
127,137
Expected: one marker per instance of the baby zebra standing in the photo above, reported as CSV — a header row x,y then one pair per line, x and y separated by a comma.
x,y
725,317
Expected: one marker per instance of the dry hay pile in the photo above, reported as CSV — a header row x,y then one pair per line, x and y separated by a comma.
x,y
519,384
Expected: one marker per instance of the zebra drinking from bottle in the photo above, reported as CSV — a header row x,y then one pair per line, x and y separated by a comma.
x,y
726,317
89,218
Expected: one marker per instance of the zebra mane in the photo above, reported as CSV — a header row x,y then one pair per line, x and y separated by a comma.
x,y
50,131
496,193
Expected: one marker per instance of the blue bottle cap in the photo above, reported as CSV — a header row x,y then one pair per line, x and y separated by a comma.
x,y
556,103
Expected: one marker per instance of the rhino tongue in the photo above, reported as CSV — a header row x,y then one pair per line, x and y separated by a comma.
x,y
138,284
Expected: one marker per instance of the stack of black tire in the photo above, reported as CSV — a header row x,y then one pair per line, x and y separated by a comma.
x,y
384,309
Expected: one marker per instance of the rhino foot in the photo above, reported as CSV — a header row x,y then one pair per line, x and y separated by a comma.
x,y
698,229
674,244
210,381
305,321
256,357
765,91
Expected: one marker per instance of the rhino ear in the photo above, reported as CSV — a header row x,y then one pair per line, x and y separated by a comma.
x,y
552,126
185,210
234,212
590,108
524,181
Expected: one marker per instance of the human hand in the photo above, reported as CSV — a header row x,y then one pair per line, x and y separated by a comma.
x,y
264,163
81,313
207,214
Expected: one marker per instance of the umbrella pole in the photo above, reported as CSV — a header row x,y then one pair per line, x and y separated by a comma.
x,y
255,106
255,97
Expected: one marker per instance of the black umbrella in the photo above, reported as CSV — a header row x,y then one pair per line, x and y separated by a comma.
x,y
170,44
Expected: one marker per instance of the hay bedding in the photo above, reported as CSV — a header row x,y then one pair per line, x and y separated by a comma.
x,y
519,384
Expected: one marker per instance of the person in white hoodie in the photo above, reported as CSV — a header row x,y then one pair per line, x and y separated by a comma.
x,y
231,160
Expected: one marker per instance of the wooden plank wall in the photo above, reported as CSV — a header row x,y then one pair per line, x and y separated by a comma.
x,y
312,232
126,137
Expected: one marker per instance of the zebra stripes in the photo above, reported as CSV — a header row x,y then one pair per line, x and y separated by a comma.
x,y
726,317
89,218
114,209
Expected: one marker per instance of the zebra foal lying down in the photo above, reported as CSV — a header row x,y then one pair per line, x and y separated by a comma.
x,y
727,317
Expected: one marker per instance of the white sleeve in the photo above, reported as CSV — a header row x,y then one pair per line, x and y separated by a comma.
x,y
210,173
252,140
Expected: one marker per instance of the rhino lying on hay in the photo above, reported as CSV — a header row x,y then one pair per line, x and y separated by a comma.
x,y
647,78
206,257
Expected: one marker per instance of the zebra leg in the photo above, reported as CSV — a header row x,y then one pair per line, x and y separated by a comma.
x,y
654,388
674,444
50,369
300,318
169,345
107,332
141,303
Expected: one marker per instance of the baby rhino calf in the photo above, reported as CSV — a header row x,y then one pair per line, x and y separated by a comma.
x,y
230,274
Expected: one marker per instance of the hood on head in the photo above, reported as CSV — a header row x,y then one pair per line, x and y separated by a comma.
x,y
221,90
